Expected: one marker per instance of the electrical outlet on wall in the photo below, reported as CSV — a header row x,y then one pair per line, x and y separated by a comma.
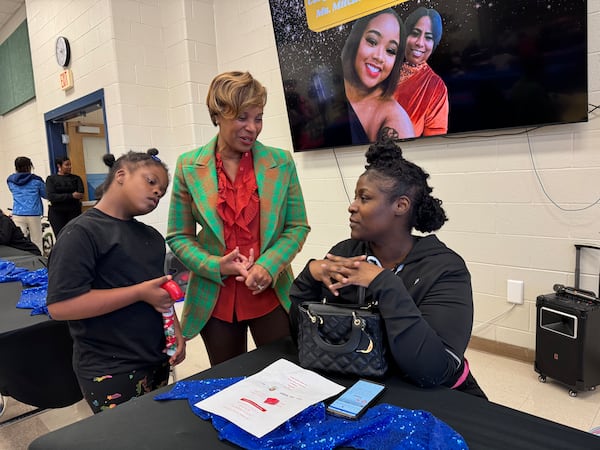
x,y
514,291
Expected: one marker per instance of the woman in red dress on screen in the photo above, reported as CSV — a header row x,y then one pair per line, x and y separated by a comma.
x,y
421,92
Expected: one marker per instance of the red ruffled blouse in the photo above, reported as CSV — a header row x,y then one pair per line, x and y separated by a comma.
x,y
238,205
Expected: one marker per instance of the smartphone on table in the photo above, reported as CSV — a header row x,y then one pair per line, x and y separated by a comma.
x,y
356,399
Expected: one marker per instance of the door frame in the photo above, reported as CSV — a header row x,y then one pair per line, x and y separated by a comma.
x,y
55,119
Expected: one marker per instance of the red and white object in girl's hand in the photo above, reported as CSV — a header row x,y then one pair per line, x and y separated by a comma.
x,y
175,293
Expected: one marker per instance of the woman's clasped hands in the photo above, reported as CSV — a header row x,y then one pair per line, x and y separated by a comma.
x,y
254,276
336,272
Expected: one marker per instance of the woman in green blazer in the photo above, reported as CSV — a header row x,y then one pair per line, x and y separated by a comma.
x,y
236,220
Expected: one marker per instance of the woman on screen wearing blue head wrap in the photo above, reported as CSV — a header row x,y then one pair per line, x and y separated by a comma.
x,y
420,91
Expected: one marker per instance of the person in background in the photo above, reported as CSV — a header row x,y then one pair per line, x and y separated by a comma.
x,y
65,191
247,201
420,91
371,61
104,276
422,288
27,190
12,236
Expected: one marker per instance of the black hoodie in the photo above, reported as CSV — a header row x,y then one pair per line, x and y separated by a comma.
x,y
427,308
12,236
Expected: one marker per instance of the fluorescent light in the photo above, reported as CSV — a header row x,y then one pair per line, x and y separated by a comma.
x,y
88,130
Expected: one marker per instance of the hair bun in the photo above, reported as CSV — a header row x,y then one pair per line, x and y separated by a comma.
x,y
152,151
108,159
386,151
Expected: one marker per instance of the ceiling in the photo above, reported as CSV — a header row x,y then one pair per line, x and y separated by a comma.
x,y
7,9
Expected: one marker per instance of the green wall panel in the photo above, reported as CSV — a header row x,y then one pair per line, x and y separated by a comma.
x,y
16,71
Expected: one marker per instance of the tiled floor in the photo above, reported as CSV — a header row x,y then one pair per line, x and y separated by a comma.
x,y
505,381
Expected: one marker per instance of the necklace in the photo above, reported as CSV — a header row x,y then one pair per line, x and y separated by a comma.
x,y
408,70
236,157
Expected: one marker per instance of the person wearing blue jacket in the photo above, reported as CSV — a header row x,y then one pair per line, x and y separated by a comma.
x,y
27,190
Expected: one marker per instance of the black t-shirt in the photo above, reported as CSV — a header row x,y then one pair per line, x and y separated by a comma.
x,y
97,251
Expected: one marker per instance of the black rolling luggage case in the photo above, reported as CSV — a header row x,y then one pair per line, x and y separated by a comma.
x,y
567,344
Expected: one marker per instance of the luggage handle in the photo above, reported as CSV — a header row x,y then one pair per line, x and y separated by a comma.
x,y
578,248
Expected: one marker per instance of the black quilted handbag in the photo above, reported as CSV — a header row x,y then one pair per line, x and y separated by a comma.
x,y
345,339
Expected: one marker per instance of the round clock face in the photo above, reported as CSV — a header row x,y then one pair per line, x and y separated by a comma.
x,y
63,51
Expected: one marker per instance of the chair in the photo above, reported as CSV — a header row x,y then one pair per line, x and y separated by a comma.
x,y
175,268
36,366
181,276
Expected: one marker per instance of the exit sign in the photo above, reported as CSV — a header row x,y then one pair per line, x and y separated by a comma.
x,y
66,79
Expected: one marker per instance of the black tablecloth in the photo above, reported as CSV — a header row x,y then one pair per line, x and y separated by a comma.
x,y
7,251
11,317
144,423
22,258
35,355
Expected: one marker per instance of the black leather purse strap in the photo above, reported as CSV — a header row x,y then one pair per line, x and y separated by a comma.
x,y
347,347
361,296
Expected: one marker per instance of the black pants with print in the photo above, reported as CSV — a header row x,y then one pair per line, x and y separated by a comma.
x,y
107,390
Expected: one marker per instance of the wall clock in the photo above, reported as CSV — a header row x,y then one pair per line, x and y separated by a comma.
x,y
63,51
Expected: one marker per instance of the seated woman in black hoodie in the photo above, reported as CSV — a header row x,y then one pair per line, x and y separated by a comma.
x,y
12,236
423,289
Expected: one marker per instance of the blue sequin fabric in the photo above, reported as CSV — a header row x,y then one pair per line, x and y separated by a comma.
x,y
34,298
382,427
35,286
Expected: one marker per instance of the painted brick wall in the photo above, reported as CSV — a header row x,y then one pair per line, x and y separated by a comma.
x,y
155,59
501,221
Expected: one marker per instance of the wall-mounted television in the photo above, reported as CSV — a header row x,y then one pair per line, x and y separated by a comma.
x,y
428,68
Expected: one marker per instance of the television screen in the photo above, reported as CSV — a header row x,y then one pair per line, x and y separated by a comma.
x,y
428,68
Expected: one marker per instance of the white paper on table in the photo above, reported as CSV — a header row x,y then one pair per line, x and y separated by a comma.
x,y
265,400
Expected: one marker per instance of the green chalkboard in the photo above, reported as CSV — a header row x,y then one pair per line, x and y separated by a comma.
x,y
16,71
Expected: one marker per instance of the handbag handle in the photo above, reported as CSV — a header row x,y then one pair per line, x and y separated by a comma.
x,y
361,296
350,345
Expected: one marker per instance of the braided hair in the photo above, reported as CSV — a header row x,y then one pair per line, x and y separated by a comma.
x,y
385,162
132,160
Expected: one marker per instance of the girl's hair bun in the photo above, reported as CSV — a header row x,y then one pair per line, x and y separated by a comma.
x,y
108,159
152,151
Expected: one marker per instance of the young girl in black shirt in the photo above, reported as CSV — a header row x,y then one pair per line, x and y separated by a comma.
x,y
105,275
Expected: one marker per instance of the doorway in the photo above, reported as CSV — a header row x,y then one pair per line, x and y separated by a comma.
x,y
86,146
78,130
